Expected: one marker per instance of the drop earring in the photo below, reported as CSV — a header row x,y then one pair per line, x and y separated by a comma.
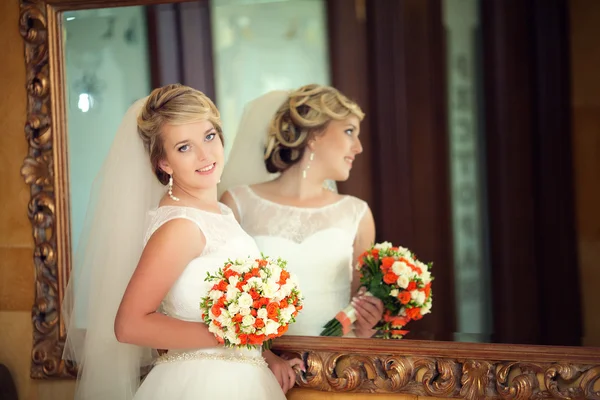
x,y
310,159
171,189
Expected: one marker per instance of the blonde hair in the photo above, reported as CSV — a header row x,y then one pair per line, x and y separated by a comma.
x,y
308,112
173,105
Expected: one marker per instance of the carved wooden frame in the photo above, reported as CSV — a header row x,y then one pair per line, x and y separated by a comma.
x,y
346,365
446,369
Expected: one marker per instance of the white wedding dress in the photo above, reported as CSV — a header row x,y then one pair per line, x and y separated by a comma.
x,y
211,373
317,244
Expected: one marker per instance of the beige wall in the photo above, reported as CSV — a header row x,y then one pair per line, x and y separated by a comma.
x,y
585,65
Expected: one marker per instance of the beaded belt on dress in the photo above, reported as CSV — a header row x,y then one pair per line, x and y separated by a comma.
x,y
202,355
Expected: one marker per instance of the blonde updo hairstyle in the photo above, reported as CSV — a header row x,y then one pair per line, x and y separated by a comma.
x,y
172,105
307,113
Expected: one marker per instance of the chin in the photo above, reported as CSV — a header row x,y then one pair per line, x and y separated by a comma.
x,y
342,177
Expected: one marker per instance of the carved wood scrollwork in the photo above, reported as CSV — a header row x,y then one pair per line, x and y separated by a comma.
x,y
440,377
427,369
38,172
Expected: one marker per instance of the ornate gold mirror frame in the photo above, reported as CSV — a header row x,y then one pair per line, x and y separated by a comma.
x,y
425,368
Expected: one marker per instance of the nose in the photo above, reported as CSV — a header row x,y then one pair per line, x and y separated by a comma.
x,y
357,146
200,152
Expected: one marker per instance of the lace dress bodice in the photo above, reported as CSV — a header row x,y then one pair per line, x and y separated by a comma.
x,y
225,240
317,244
206,373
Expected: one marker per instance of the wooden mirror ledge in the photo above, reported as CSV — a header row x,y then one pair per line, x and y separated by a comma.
x,y
446,369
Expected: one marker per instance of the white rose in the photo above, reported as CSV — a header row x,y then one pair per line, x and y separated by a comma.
x,y
232,337
276,272
286,314
418,296
402,281
234,308
232,293
271,327
215,295
394,292
255,283
248,320
212,328
245,300
244,311
426,309
426,277
262,313
233,280
383,246
286,289
397,267
225,319
270,288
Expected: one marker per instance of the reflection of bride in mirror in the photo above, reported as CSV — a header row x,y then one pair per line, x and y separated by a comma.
x,y
311,136
146,249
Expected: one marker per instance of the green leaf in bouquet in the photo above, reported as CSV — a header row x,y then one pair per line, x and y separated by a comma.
x,y
379,290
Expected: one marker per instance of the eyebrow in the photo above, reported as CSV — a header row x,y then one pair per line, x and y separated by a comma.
x,y
186,141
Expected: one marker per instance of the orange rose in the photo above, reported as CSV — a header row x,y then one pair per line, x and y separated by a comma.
x,y
375,254
400,321
387,262
244,338
414,313
256,339
262,263
273,311
222,286
216,310
259,323
252,292
238,318
390,278
411,286
283,277
361,258
229,273
404,297
282,329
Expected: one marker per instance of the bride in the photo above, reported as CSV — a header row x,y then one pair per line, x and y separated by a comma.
x,y
129,310
280,197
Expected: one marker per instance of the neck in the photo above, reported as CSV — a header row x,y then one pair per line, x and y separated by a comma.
x,y
201,198
293,184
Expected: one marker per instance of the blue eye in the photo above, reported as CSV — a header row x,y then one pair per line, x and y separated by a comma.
x,y
210,136
184,148
349,132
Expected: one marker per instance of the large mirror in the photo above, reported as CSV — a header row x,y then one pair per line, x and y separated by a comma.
x,y
451,168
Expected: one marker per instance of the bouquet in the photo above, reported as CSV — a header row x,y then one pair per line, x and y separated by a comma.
x,y
251,302
403,283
